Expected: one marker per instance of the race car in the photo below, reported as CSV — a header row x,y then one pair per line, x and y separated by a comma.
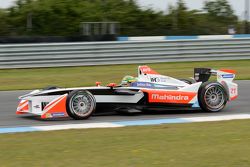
x,y
149,91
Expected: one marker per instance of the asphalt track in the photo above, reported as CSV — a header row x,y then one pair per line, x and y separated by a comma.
x,y
8,118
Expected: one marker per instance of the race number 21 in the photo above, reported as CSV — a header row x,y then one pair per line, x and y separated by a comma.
x,y
233,91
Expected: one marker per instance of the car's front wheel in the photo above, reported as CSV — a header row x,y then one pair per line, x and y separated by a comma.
x,y
212,97
80,104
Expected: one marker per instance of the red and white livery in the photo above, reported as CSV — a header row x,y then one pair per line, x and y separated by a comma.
x,y
149,91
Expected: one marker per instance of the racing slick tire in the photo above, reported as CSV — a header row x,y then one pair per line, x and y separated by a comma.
x,y
212,97
80,104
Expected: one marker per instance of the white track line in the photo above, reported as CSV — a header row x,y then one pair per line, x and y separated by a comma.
x,y
126,123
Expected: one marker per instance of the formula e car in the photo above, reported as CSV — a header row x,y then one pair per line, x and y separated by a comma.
x,y
149,91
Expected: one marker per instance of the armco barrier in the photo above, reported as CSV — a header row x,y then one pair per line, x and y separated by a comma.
x,y
103,53
159,38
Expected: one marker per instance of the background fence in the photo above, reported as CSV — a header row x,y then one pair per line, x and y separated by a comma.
x,y
102,53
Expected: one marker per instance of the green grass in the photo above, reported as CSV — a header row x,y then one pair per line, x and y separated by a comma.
x,y
212,144
16,79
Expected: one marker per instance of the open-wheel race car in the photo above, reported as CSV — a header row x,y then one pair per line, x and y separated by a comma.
x,y
149,91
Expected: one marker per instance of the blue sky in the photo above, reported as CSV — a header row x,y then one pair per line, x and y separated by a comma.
x,y
238,5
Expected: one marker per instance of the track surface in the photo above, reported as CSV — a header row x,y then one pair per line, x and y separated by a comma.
x,y
8,103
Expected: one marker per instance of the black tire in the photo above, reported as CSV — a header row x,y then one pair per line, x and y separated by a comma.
x,y
188,81
212,97
80,104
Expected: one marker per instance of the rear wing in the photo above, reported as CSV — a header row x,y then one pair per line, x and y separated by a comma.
x,y
224,77
203,74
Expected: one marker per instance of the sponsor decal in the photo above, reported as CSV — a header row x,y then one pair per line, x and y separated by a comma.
x,y
158,79
48,115
142,84
157,96
163,86
166,97
36,106
154,79
58,114
163,79
149,85
227,75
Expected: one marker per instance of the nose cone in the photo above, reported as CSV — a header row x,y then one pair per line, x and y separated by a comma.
x,y
23,107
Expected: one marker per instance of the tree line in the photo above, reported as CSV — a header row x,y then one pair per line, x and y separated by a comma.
x,y
63,18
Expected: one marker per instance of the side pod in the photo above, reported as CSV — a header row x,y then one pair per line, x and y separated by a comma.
x,y
56,108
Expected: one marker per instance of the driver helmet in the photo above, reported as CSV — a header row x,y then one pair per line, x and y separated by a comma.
x,y
128,80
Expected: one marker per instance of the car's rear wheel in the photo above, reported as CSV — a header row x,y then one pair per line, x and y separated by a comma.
x,y
212,97
80,104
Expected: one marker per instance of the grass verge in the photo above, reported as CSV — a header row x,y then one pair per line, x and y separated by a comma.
x,y
179,145
18,79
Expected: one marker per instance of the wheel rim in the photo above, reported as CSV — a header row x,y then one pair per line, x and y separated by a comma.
x,y
214,97
81,104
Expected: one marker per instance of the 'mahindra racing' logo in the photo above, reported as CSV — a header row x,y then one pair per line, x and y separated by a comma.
x,y
178,97
169,97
